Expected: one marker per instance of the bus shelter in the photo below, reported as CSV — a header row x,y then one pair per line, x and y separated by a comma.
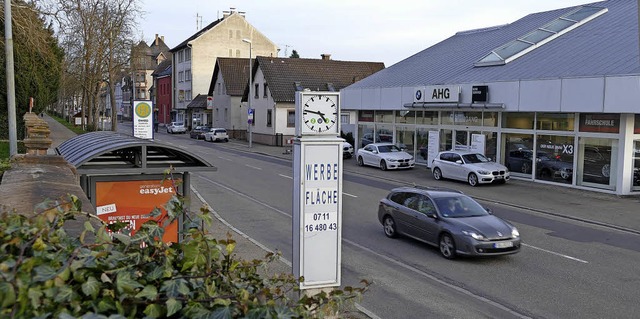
x,y
126,178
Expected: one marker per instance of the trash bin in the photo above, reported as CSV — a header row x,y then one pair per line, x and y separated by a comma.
x,y
279,139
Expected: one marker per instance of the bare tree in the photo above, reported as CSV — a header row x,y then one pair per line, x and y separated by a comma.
x,y
97,35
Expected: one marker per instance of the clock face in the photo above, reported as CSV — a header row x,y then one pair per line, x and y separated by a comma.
x,y
320,114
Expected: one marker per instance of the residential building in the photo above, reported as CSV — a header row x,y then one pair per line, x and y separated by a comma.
x,y
195,58
162,93
229,80
553,95
275,83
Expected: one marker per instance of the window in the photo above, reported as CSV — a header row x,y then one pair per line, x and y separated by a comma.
x,y
268,118
427,117
291,118
219,88
384,116
187,75
257,92
180,56
188,95
518,120
237,53
555,121
406,117
264,90
345,118
187,54
230,53
181,76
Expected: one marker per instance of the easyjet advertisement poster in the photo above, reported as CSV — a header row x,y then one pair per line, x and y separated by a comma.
x,y
131,201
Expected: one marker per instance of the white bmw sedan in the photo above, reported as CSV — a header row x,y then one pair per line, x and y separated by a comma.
x,y
473,168
384,155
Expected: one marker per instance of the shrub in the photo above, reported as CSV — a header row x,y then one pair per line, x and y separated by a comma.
x,y
103,273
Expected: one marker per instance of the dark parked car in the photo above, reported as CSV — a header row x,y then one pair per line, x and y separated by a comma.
x,y
553,167
520,160
449,220
597,164
198,132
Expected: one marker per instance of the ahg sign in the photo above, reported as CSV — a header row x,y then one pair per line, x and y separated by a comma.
x,y
442,93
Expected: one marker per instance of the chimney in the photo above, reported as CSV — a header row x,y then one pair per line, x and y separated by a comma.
x,y
326,56
162,38
156,39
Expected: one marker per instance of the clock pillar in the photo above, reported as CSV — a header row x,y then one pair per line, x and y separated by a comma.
x,y
317,197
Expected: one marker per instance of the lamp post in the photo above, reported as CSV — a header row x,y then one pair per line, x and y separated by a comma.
x,y
250,111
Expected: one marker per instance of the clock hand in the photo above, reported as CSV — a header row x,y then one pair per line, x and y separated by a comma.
x,y
316,112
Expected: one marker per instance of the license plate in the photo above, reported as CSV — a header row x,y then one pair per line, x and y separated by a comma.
x,y
503,245
498,177
404,164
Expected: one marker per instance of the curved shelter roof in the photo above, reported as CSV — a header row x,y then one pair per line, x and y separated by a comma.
x,y
111,153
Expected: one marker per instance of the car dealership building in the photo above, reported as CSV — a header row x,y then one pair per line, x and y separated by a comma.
x,y
554,96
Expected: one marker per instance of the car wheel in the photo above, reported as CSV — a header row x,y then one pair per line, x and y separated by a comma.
x,y
389,226
564,174
447,246
473,179
437,174
226,140
360,161
606,170
383,165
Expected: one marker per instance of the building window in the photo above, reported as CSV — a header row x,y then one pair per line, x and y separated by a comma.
x,y
365,116
427,117
406,117
226,115
555,121
269,118
554,158
264,90
219,86
345,118
384,116
180,56
187,95
180,76
522,121
187,75
291,118
187,54
231,53
237,53
257,93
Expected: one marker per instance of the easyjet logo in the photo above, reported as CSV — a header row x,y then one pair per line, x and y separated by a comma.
x,y
155,190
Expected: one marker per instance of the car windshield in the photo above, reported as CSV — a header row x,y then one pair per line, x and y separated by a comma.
x,y
388,149
459,206
475,158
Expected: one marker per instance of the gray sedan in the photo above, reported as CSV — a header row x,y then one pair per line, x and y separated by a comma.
x,y
450,220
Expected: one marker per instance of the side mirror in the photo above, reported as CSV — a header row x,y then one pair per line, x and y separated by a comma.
x,y
432,215
488,210
459,162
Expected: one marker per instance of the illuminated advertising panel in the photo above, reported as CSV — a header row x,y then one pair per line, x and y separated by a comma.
x,y
131,201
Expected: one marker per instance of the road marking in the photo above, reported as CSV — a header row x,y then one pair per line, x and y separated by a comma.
x,y
557,254
225,158
254,167
440,281
285,176
354,196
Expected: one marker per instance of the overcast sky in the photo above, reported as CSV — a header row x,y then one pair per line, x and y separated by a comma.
x,y
349,30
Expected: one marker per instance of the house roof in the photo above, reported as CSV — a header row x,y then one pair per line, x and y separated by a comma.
x,y
235,72
607,45
199,101
285,76
196,35
163,69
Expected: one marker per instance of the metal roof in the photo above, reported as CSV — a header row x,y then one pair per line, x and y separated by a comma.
x,y
111,153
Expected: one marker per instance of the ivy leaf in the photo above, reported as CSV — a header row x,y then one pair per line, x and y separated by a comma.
x,y
44,273
173,306
89,227
175,287
150,292
91,287
7,295
125,283
64,294
222,313
153,311
125,239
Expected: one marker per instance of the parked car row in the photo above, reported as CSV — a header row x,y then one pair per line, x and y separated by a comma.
x,y
209,134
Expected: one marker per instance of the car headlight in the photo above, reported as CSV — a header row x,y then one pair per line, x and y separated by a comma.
x,y
515,233
483,172
393,160
474,235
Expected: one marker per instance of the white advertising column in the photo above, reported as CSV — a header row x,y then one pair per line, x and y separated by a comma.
x,y
317,198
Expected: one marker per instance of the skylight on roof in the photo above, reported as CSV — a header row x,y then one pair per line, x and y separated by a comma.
x,y
536,38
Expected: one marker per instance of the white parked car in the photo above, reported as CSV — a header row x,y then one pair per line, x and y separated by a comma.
x,y
347,150
176,127
216,134
470,167
384,155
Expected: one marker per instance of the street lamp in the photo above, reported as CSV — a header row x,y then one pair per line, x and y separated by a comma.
x,y
250,111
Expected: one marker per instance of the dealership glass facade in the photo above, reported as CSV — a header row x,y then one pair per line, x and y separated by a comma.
x,y
580,149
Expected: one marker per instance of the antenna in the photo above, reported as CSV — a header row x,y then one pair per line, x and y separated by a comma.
x,y
286,49
198,21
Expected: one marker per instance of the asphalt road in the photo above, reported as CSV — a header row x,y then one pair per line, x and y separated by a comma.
x,y
566,269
